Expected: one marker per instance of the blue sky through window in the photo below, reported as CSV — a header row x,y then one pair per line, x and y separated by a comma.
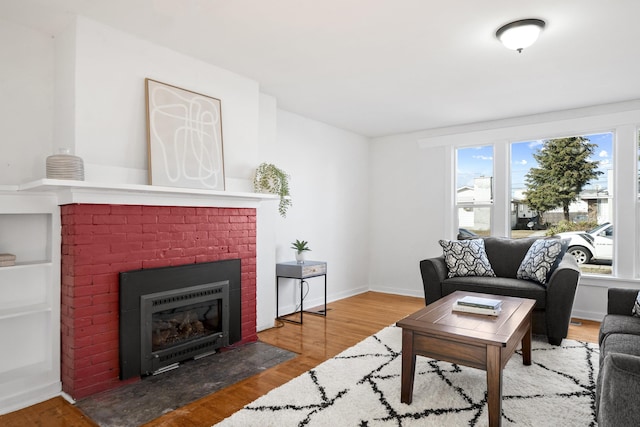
x,y
473,162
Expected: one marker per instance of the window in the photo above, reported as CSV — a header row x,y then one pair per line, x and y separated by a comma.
x,y
474,191
564,186
613,196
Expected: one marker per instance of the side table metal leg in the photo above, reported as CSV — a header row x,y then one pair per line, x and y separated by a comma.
x,y
325,295
277,296
301,299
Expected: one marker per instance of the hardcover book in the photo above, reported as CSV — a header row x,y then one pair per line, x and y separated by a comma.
x,y
480,302
476,310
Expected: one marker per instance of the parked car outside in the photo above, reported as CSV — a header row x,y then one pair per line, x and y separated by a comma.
x,y
464,234
593,245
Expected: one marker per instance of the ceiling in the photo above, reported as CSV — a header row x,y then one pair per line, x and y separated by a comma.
x,y
381,67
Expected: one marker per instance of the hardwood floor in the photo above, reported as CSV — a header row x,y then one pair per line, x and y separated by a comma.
x,y
348,321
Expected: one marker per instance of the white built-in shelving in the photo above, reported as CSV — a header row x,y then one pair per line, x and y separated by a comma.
x,y
29,299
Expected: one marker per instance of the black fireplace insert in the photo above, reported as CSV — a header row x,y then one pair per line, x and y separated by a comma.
x,y
171,314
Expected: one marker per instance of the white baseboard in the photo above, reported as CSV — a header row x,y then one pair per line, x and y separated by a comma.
x,y
587,315
68,398
399,291
30,397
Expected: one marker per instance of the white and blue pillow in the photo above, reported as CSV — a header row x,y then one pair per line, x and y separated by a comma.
x,y
540,260
466,258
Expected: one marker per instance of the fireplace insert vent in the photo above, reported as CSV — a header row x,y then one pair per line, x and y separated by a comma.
x,y
186,296
192,351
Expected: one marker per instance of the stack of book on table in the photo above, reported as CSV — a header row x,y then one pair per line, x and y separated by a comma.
x,y
478,305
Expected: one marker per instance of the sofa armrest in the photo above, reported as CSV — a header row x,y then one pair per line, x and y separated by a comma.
x,y
620,301
561,292
434,271
618,390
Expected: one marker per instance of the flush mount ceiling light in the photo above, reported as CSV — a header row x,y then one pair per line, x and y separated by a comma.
x,y
520,34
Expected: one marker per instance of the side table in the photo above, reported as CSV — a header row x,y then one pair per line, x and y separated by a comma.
x,y
306,270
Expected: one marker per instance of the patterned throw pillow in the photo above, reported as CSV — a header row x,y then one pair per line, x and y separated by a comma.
x,y
636,306
466,258
539,260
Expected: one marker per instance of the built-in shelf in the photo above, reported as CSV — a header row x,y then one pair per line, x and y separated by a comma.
x,y
29,298
25,373
26,264
70,191
26,310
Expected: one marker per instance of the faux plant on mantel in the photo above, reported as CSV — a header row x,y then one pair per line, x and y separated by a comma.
x,y
271,179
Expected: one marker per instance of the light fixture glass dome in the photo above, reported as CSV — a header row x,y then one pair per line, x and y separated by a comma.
x,y
518,35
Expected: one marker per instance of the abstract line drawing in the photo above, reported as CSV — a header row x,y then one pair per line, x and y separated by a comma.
x,y
184,132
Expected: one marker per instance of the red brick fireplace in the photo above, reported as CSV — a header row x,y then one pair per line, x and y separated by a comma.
x,y
101,240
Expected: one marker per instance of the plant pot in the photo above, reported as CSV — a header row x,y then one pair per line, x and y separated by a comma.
x,y
300,257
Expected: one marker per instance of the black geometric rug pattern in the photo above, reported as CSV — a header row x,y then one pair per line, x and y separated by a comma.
x,y
361,387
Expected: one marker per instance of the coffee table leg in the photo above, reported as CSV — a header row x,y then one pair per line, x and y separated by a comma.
x,y
526,346
494,385
408,367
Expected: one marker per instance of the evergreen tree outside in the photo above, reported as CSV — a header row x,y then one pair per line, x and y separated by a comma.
x,y
564,169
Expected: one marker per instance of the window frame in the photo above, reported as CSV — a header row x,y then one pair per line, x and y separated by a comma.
x,y
626,197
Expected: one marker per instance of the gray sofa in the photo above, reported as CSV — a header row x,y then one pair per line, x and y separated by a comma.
x,y
552,312
618,385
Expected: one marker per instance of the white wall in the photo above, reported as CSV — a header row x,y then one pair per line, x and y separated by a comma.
x,y
407,197
329,171
414,196
267,218
26,102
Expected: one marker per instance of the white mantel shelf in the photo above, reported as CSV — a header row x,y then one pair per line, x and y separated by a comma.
x,y
70,192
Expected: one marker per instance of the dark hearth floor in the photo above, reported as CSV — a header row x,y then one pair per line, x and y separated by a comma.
x,y
138,403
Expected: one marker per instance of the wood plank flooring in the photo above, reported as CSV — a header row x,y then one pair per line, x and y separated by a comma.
x,y
348,321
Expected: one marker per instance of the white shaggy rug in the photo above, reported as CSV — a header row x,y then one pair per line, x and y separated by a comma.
x,y
361,387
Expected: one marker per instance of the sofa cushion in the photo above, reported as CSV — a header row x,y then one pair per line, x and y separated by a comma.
x,y
539,259
618,324
497,286
466,258
620,343
506,255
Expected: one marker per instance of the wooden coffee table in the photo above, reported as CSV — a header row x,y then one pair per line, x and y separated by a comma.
x,y
479,341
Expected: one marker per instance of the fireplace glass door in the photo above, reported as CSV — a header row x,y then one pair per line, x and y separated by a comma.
x,y
183,323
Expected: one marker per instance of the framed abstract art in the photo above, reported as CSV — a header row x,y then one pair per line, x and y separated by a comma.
x,y
184,133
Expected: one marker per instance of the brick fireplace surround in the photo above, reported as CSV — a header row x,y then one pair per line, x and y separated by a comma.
x,y
101,240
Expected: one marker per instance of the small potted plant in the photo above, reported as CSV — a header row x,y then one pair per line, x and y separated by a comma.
x,y
271,179
301,247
